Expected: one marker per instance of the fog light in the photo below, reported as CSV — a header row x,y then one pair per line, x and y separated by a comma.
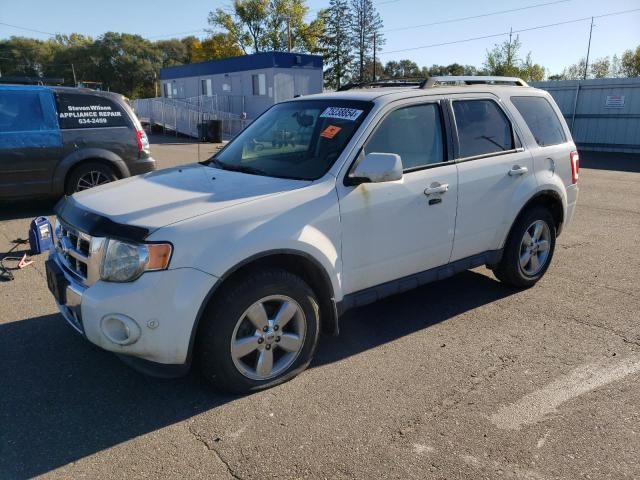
x,y
120,329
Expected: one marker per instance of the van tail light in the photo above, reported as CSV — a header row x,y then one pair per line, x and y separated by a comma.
x,y
575,166
142,140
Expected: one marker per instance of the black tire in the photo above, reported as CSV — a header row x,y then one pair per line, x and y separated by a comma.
x,y
218,324
81,173
509,269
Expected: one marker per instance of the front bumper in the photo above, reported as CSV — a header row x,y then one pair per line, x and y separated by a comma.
x,y
163,307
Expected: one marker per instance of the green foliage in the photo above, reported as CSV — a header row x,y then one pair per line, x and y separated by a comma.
x,y
630,63
504,60
366,27
337,43
128,64
263,25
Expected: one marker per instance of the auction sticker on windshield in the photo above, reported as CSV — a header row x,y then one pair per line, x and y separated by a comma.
x,y
341,113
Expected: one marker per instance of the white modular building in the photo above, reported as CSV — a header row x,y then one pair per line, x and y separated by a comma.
x,y
248,84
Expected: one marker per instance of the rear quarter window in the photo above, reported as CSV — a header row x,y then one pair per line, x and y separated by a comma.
x,y
21,112
541,120
88,111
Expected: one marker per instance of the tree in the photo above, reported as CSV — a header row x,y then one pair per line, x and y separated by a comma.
x,y
504,60
126,63
402,69
631,63
337,45
263,25
217,46
172,52
366,28
599,68
575,71
616,67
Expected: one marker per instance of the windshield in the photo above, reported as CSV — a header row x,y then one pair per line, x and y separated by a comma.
x,y
299,140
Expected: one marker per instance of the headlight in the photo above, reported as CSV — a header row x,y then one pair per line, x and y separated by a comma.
x,y
124,262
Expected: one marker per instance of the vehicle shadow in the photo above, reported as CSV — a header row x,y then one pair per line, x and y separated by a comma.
x,y
20,209
61,399
621,162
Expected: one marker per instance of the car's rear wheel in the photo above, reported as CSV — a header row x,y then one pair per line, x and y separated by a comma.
x,y
529,249
259,331
88,175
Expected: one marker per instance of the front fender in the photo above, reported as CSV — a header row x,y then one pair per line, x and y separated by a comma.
x,y
82,154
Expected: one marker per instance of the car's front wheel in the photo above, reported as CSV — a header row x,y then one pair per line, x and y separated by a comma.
x,y
528,250
260,331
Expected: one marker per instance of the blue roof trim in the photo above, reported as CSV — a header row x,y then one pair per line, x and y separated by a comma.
x,y
243,63
24,88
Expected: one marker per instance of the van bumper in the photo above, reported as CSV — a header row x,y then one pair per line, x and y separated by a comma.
x,y
142,165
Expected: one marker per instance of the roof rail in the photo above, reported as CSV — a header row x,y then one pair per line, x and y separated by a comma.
x,y
473,80
386,83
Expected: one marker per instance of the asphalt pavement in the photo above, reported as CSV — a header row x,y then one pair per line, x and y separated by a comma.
x,y
462,379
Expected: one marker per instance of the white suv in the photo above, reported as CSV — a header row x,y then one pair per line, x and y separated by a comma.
x,y
322,204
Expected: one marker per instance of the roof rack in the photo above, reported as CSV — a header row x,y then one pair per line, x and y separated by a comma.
x,y
447,81
386,83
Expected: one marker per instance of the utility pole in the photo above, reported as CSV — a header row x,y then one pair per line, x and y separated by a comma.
x,y
509,62
374,56
289,33
586,64
75,80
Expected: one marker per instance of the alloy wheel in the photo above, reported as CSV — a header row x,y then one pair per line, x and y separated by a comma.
x,y
268,337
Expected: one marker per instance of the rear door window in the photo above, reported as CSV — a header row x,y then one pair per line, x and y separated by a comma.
x,y
21,112
541,120
88,111
483,128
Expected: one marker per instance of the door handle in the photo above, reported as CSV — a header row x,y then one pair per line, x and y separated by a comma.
x,y
517,170
436,188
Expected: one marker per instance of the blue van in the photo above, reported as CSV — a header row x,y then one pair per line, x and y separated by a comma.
x,y
60,140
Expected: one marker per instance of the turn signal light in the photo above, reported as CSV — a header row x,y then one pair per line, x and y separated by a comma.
x,y
159,256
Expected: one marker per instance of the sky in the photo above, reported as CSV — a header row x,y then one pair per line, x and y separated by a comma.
x,y
553,47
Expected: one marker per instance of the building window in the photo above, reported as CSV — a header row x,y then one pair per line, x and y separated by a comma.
x,y
259,82
206,87
167,90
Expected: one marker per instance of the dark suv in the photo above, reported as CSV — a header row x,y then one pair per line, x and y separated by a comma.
x,y
59,140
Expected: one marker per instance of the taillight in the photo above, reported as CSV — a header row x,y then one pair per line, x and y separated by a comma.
x,y
575,166
143,141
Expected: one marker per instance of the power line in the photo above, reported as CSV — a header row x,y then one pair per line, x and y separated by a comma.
x,y
28,29
493,35
472,17
176,33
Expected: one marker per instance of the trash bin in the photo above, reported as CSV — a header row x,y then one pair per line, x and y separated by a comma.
x,y
203,130
214,131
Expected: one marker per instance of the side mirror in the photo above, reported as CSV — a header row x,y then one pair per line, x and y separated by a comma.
x,y
376,168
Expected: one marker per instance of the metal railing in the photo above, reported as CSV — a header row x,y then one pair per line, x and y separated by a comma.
x,y
184,115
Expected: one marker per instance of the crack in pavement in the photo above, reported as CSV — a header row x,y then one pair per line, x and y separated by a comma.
x,y
450,401
608,330
203,441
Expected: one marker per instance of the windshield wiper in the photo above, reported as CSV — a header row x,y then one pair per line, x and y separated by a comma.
x,y
236,168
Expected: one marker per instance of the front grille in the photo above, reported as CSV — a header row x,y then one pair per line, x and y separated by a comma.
x,y
74,251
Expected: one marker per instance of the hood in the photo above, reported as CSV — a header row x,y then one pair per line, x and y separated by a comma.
x,y
160,198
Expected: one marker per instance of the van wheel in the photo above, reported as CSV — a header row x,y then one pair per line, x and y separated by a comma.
x,y
259,332
88,175
529,249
